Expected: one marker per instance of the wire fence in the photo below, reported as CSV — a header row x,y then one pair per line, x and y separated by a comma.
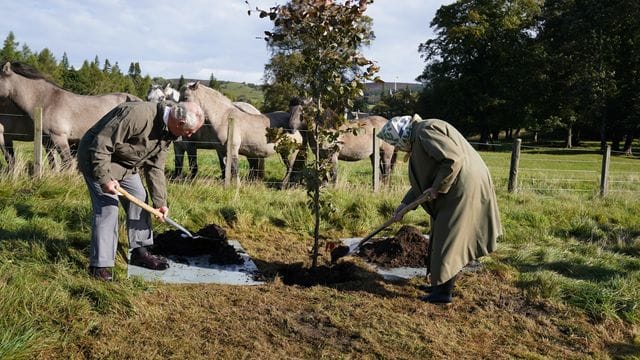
x,y
543,170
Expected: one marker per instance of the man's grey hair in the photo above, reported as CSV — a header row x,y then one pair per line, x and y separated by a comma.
x,y
189,116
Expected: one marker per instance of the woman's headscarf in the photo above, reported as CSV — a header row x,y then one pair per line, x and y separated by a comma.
x,y
397,131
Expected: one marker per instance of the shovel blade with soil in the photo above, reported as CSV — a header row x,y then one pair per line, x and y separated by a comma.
x,y
343,250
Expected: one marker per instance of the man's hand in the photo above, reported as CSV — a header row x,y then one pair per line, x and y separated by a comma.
x,y
164,211
110,187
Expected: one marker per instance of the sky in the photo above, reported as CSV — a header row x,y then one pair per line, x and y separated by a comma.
x,y
198,38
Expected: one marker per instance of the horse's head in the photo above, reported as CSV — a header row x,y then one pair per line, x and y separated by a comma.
x,y
155,94
296,114
171,93
187,91
5,84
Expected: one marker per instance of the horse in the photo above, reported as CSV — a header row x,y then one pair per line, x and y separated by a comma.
x,y
65,116
351,147
249,133
158,93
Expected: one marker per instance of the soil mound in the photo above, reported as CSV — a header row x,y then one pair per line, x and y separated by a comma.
x,y
212,241
408,248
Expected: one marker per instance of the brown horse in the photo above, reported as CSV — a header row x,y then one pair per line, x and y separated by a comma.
x,y
352,147
249,133
65,116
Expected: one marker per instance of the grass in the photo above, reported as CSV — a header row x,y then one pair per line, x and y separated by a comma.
x,y
564,283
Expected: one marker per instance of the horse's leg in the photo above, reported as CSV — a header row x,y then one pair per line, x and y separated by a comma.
x,y
65,153
192,156
253,164
222,160
10,154
260,168
334,168
256,166
178,150
4,149
51,150
288,163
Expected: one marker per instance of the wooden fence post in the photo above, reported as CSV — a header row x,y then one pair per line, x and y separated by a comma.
x,y
228,159
37,142
604,175
376,162
513,170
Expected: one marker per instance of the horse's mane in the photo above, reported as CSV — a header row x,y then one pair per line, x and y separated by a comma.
x,y
29,72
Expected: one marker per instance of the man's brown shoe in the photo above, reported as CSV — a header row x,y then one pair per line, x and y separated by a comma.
x,y
101,273
148,260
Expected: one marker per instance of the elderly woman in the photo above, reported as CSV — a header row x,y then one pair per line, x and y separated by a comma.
x,y
465,221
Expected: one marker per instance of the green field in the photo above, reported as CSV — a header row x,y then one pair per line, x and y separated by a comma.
x,y
565,282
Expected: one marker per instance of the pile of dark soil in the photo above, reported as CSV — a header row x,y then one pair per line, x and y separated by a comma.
x,y
408,248
213,242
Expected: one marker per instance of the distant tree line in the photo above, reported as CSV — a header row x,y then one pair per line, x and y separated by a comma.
x,y
92,78
566,68
555,65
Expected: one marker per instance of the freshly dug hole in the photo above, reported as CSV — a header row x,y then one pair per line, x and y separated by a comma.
x,y
215,244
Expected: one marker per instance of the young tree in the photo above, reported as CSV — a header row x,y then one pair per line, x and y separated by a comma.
x,y
328,35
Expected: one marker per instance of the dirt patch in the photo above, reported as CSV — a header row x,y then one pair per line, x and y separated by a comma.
x,y
298,274
408,248
213,242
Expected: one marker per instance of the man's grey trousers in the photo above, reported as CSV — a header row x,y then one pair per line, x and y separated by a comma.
x,y
104,228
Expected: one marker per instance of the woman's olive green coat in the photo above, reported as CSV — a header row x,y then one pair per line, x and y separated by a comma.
x,y
465,221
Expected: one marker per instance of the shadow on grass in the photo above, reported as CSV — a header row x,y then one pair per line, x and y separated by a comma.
x,y
344,276
624,351
55,250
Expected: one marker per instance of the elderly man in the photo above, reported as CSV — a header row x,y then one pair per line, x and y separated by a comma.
x,y
133,136
465,221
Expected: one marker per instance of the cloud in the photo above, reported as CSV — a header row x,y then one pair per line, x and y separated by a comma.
x,y
195,38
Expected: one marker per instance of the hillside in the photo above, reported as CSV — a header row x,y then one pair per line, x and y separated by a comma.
x,y
252,93
235,91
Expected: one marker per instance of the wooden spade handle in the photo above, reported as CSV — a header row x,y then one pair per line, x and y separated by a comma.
x,y
139,202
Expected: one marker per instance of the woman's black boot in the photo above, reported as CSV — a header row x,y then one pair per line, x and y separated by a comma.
x,y
441,294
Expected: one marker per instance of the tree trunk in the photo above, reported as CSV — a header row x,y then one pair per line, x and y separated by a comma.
x,y
568,144
628,141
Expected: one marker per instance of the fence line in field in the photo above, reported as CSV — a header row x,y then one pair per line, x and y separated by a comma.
x,y
524,172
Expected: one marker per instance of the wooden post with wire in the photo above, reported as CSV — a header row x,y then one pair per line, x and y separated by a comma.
x,y
37,142
376,162
604,175
513,170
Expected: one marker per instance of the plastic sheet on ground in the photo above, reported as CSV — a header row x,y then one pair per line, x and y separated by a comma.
x,y
200,271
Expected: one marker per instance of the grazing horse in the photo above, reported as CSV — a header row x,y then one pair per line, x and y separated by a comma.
x,y
65,116
352,147
249,133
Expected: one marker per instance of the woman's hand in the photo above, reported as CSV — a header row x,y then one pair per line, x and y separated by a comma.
x,y
433,194
398,214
